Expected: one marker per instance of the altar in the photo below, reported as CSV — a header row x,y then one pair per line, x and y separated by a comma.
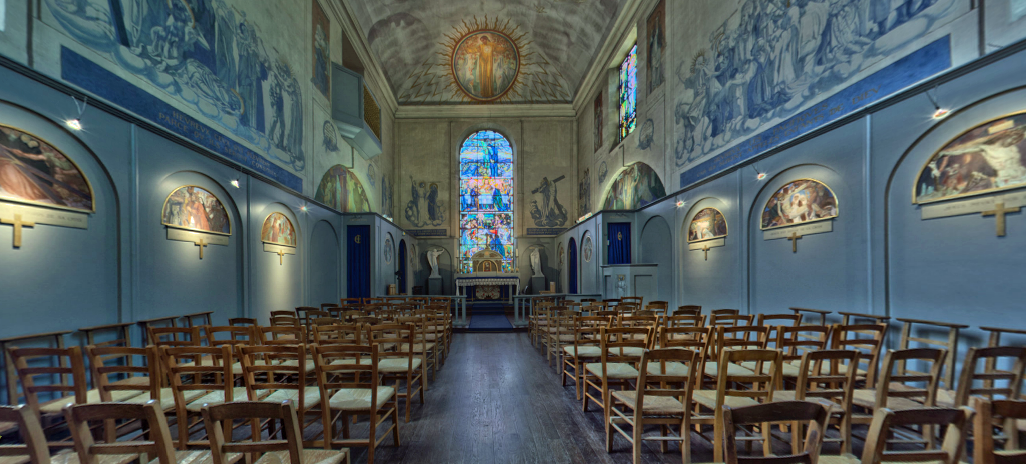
x,y
488,285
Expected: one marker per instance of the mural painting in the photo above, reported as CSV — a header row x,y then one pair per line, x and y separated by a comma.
x,y
192,208
207,56
656,45
388,249
584,194
707,224
278,230
372,174
425,207
550,213
587,248
341,190
34,172
603,172
598,121
329,137
485,64
386,196
798,202
647,134
322,53
987,158
635,186
773,59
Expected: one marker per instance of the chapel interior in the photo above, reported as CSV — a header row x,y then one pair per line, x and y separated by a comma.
x,y
512,231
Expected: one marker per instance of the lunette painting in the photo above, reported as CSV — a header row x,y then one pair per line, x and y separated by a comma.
x,y
193,208
707,224
342,190
634,187
34,172
278,230
798,202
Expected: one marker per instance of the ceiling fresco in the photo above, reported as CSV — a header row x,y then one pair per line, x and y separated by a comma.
x,y
476,51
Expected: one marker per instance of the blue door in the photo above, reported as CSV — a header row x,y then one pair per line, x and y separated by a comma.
x,y
359,266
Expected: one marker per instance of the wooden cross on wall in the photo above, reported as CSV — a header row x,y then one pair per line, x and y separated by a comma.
x,y
794,241
201,244
281,257
705,248
18,224
999,213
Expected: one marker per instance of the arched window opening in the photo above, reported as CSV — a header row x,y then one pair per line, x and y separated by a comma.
x,y
486,201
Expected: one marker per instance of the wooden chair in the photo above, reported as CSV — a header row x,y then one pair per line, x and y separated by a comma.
x,y
146,324
327,306
730,320
621,348
724,312
122,331
733,338
868,340
174,336
350,301
421,348
789,320
633,300
737,388
279,373
850,318
795,412
282,320
362,395
560,333
990,383
204,318
56,371
118,379
199,375
34,450
949,344
218,418
812,313
159,444
886,421
821,380
794,342
902,391
586,347
278,335
398,364
538,324
302,312
243,322
658,306
684,320
662,397
1002,415
338,334
685,337
688,309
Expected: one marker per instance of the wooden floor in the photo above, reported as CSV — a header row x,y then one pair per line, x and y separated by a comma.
x,y
496,402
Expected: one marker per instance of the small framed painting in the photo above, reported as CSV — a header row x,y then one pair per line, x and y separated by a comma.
x,y
706,225
799,202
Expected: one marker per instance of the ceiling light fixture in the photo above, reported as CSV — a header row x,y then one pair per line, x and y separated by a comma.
x,y
938,112
76,123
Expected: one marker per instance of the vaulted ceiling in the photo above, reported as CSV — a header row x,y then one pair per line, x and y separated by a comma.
x,y
414,41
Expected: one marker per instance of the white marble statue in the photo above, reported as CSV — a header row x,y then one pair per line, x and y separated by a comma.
x,y
432,257
536,263
621,286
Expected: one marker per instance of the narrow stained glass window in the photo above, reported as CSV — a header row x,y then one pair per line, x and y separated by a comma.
x,y
628,89
486,198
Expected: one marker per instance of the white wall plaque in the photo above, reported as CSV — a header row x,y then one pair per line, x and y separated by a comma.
x,y
973,205
808,229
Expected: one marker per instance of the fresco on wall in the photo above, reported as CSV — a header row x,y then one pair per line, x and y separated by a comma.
x,y
34,172
485,64
635,186
603,172
329,137
987,158
386,197
599,110
321,50
193,208
706,225
587,248
549,212
647,134
772,59
798,202
372,174
204,54
278,229
388,249
656,45
426,207
341,190
584,194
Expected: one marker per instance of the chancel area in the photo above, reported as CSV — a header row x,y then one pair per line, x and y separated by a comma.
x,y
491,231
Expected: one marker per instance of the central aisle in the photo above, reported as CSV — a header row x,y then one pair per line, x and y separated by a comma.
x,y
496,401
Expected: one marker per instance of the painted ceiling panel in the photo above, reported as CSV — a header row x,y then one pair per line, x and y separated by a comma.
x,y
433,51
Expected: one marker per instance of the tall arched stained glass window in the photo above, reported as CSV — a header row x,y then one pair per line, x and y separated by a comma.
x,y
628,90
486,198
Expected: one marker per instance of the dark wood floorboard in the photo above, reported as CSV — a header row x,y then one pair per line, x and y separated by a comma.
x,y
496,401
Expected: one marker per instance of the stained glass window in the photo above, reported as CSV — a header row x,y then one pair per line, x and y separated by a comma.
x,y
486,198
628,89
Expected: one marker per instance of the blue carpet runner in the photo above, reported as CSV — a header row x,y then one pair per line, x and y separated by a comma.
x,y
489,322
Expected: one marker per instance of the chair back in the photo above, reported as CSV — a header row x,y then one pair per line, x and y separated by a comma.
x,y
242,321
218,417
159,444
57,371
792,320
285,321
229,335
885,421
1004,415
737,338
730,320
280,335
274,368
345,334
794,342
828,375
174,336
924,337
684,320
759,384
977,381
695,310
724,312
634,300
31,431
890,377
623,344
814,414
346,366
117,379
394,341
199,368
867,338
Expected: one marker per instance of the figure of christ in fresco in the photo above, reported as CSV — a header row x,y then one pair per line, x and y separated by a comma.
x,y
414,201
1001,154
485,68
432,203
195,212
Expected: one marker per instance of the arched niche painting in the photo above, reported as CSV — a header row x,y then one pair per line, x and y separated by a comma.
x,y
707,224
798,202
341,190
194,208
278,230
587,248
34,172
987,158
634,187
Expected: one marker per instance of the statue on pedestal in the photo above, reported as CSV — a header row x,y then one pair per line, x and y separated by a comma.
x,y
536,263
432,257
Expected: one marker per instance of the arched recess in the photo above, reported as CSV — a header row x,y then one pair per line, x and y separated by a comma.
x,y
171,274
389,262
953,269
325,265
714,282
589,253
571,264
403,269
278,278
656,248
456,206
82,263
824,272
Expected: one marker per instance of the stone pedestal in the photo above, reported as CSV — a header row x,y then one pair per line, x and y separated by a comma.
x,y
434,285
537,285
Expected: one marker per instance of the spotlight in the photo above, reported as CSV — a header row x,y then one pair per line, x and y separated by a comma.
x,y
235,183
75,124
304,208
940,113
760,176
680,204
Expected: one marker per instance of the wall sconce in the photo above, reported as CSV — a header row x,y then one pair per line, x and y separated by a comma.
x,y
76,122
938,112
